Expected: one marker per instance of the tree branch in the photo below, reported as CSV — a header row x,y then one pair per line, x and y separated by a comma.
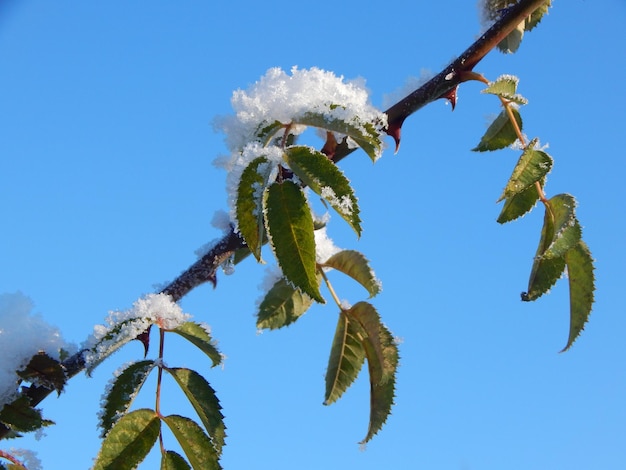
x,y
442,85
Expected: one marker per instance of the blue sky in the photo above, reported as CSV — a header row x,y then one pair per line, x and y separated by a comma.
x,y
107,188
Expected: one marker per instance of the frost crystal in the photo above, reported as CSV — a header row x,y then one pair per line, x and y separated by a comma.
x,y
122,327
22,335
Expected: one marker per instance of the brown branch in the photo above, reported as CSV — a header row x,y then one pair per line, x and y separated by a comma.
x,y
443,85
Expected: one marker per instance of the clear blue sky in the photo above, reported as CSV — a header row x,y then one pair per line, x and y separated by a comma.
x,y
107,187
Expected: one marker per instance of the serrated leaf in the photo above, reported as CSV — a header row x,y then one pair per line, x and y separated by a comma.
x,y
171,460
45,371
519,204
581,288
355,265
531,167
289,225
249,205
195,443
325,179
363,133
129,441
122,393
282,305
203,399
560,233
20,416
382,361
506,87
200,337
567,231
501,133
345,360
535,18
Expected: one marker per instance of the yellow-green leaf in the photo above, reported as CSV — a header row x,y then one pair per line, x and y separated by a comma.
x,y
501,133
129,441
200,337
355,265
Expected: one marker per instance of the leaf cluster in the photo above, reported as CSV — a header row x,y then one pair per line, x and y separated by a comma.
x,y
561,248
130,435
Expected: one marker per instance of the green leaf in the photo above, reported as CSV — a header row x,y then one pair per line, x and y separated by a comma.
x,y
249,206
567,231
346,358
282,305
123,392
382,361
171,460
581,287
129,441
20,416
512,42
200,337
355,265
519,204
560,233
363,133
44,371
535,18
531,167
195,443
289,225
325,179
501,133
505,87
202,397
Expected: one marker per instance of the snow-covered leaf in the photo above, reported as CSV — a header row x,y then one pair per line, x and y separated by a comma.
x,y
325,179
346,358
531,167
203,399
501,133
195,443
249,206
363,133
129,441
506,87
123,391
355,265
198,335
581,287
282,305
567,231
289,224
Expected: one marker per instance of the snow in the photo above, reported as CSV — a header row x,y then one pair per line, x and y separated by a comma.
x,y
22,335
324,246
124,326
27,457
284,98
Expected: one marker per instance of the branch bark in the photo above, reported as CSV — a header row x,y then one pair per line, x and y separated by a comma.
x,y
442,85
